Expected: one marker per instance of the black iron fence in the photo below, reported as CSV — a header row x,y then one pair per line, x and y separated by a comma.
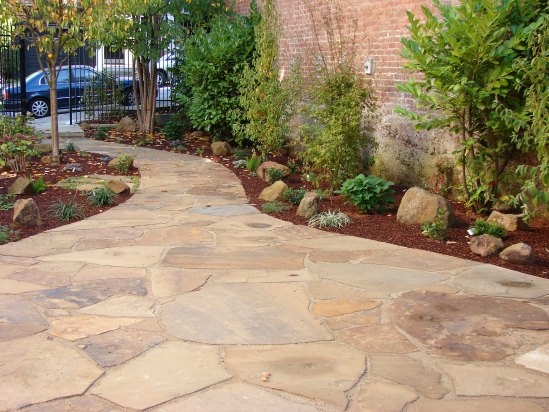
x,y
94,84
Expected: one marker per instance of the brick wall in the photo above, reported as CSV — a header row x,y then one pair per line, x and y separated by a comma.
x,y
377,26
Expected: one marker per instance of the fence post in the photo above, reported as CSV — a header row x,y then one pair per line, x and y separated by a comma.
x,y
23,76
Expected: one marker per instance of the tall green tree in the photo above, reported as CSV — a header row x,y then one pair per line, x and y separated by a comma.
x,y
55,29
466,55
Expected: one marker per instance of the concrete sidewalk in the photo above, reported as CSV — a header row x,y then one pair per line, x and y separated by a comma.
x,y
187,298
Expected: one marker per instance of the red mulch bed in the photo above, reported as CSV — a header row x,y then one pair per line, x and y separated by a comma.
x,y
92,164
381,227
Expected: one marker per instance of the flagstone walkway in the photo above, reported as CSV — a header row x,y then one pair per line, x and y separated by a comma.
x,y
186,298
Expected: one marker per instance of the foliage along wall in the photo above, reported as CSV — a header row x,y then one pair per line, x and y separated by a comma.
x,y
404,155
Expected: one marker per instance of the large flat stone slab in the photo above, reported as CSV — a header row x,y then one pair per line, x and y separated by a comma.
x,y
79,327
244,314
176,236
19,318
169,281
466,327
14,287
314,370
85,403
237,397
118,346
377,281
35,369
376,338
48,274
233,258
386,397
537,359
260,275
122,306
476,405
341,243
489,280
167,371
337,307
97,272
472,379
226,210
130,256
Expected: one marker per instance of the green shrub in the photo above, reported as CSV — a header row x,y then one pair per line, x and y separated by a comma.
x,y
70,147
438,229
17,139
274,207
6,202
241,154
275,175
67,210
253,163
101,196
240,164
125,163
102,133
368,193
175,129
481,227
329,219
294,196
210,72
7,234
38,185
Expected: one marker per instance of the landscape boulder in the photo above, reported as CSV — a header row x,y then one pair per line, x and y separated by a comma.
x,y
47,160
263,170
520,253
419,206
114,163
510,222
118,187
42,148
308,207
126,124
21,186
26,213
274,192
221,148
199,134
485,245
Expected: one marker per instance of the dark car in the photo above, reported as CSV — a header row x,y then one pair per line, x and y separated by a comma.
x,y
71,87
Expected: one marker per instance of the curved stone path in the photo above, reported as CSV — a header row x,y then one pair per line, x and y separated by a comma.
x,y
185,298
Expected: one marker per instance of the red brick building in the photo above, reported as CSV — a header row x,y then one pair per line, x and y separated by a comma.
x,y
377,26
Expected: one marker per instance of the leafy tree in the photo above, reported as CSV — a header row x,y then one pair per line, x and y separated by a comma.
x,y
55,29
467,56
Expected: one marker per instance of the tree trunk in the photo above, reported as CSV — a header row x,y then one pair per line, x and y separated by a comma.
x,y
145,95
54,115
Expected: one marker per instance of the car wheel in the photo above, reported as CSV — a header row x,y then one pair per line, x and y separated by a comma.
x,y
161,78
129,98
39,107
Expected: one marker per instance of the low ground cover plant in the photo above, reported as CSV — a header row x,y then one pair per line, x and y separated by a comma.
x,y
274,207
294,196
7,234
368,193
6,201
38,185
101,196
124,163
66,211
330,218
482,227
436,230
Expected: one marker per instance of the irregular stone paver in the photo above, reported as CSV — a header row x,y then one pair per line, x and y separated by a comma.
x,y
377,281
472,379
386,397
343,306
237,397
79,327
14,287
260,275
213,258
137,256
466,327
409,372
167,281
167,371
314,370
537,359
19,318
226,210
491,280
96,272
47,274
86,403
475,405
377,339
34,369
244,314
118,346
176,236
122,306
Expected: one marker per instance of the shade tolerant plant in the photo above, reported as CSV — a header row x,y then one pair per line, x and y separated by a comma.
x,y
294,196
69,210
102,196
368,193
331,218
437,229
482,227
17,139
274,207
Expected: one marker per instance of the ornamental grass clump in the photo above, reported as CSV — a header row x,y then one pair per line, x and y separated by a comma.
x,y
330,218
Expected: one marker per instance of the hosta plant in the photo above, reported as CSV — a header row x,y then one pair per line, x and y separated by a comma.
x,y
368,193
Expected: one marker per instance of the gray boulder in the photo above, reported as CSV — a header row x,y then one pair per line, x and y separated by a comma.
x,y
510,222
520,253
21,186
485,245
419,206
308,207
221,148
26,213
126,124
274,192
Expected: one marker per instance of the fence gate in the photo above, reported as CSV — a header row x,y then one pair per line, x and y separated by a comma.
x,y
12,71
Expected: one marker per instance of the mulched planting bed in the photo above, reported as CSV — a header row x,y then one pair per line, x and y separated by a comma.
x,y
382,227
90,164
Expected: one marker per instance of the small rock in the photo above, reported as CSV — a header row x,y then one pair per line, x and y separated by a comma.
x,y
199,134
263,170
84,126
308,207
486,245
274,192
520,253
26,213
221,148
126,124
419,206
42,148
114,163
73,167
510,222
118,187
21,186
47,160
